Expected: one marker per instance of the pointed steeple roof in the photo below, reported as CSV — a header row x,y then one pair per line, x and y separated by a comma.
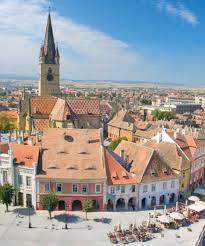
x,y
49,44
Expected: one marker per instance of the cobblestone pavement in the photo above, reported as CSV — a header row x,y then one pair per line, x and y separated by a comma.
x,y
14,229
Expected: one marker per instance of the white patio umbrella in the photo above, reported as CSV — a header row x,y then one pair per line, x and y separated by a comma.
x,y
200,203
164,219
176,216
197,207
193,198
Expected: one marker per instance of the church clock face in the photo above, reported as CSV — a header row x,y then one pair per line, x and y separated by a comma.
x,y
49,76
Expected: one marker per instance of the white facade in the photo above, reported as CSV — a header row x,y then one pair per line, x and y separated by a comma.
x,y
22,178
150,193
123,196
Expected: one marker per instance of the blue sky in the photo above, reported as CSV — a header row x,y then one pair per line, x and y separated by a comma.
x,y
149,40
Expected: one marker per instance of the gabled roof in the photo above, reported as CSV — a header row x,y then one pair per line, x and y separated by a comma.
x,y
116,174
42,105
171,154
25,155
83,106
146,163
61,111
122,120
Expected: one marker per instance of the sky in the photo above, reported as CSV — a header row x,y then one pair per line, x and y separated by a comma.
x,y
144,40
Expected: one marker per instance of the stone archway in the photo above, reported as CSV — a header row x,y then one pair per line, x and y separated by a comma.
x,y
153,201
132,203
61,205
172,198
76,205
143,203
120,204
162,200
110,205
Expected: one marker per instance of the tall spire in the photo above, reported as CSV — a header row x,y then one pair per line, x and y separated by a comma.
x,y
49,44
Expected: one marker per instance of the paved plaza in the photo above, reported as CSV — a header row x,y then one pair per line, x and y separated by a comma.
x,y
14,229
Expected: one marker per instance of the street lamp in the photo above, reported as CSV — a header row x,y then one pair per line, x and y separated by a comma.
x,y
29,215
66,219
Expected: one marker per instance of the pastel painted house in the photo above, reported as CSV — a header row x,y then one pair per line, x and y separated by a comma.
x,y
72,167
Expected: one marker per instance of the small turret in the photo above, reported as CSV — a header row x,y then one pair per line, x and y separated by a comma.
x,y
57,56
42,55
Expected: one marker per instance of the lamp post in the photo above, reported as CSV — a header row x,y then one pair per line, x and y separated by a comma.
x,y
66,219
29,216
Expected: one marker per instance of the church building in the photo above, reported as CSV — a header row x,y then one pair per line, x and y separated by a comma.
x,y
47,109
49,64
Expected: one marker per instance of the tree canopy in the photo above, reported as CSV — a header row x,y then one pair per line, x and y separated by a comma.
x,y
6,194
113,145
87,206
50,202
163,115
146,101
6,124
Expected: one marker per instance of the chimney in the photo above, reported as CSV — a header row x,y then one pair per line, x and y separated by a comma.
x,y
22,135
37,137
30,141
159,137
122,153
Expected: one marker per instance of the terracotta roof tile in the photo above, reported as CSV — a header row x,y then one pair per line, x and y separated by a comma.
x,y
116,174
24,154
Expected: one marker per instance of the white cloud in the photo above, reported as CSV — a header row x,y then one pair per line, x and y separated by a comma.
x,y
85,53
178,10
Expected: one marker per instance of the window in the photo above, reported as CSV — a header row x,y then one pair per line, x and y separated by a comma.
x,y
122,189
75,188
47,187
144,188
172,184
97,188
112,190
58,187
28,182
5,177
133,188
20,180
153,187
117,188
164,185
84,188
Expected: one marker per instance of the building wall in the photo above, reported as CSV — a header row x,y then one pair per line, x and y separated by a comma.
x,y
159,191
67,195
114,132
118,194
48,87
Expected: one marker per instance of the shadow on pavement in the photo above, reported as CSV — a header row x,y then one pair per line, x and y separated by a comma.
x,y
69,218
103,220
23,211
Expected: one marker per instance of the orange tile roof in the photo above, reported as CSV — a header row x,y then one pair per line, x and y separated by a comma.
x,y
11,114
72,154
42,105
24,154
116,174
144,160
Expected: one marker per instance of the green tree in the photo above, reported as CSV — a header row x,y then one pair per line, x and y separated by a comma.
x,y
50,202
146,101
6,124
87,206
113,145
163,115
6,195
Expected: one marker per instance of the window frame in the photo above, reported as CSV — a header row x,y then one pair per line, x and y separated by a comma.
x,y
97,185
28,178
47,183
76,188
57,187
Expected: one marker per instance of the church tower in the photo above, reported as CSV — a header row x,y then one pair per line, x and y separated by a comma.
x,y
49,64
